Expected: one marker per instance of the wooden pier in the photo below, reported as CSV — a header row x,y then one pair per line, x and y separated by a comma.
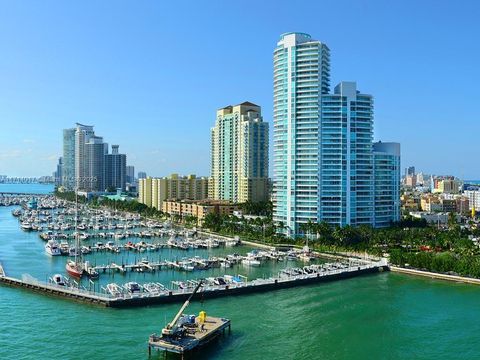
x,y
212,327
208,291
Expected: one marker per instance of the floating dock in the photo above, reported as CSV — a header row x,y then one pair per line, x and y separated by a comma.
x,y
212,328
207,291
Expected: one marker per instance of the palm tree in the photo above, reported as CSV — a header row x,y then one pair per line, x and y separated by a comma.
x,y
323,231
452,220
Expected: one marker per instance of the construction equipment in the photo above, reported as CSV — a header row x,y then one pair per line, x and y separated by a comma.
x,y
175,327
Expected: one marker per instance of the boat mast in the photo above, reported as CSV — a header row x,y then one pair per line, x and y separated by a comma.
x,y
77,243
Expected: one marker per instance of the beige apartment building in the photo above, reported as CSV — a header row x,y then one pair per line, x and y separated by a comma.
x,y
145,191
154,191
445,203
239,155
198,209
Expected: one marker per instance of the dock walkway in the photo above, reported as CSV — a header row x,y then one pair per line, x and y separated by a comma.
x,y
207,291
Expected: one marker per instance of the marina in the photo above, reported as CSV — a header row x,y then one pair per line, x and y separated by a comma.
x,y
151,262
393,307
290,277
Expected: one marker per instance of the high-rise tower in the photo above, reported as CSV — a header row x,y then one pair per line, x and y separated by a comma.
x,y
324,160
301,76
239,155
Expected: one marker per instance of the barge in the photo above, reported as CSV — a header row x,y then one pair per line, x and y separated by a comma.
x,y
187,332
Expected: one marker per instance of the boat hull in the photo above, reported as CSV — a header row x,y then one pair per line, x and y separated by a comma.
x,y
74,270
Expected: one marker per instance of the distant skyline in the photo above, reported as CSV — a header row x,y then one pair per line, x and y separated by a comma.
x,y
150,75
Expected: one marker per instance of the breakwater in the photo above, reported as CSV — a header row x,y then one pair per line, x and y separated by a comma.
x,y
179,295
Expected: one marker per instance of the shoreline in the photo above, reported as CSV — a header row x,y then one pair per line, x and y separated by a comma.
x,y
433,275
364,256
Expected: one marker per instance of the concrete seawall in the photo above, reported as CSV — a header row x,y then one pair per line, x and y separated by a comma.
x,y
255,286
433,275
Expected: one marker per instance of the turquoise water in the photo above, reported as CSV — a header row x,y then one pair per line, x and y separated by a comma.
x,y
27,188
382,316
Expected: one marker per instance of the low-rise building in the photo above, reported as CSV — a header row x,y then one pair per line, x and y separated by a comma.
x,y
445,185
153,191
462,205
448,205
198,209
434,218
430,204
473,199
410,203
410,181
444,203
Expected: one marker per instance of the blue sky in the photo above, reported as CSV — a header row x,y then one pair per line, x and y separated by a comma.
x,y
150,75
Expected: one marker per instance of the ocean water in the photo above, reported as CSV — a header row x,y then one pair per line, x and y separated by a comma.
x,y
27,188
380,316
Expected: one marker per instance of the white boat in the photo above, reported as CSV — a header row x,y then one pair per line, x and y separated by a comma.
x,y
212,243
172,241
133,288
225,264
91,272
112,247
154,288
114,290
85,250
232,279
52,248
305,256
219,281
250,262
26,226
73,251
59,280
186,266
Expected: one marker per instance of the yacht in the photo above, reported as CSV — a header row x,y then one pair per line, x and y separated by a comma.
x,y
154,289
112,247
92,273
133,288
114,290
26,226
250,261
219,281
59,280
186,265
52,248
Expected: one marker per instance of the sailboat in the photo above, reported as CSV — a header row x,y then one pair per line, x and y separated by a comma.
x,y
75,267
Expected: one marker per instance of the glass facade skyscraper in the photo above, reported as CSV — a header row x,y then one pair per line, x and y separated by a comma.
x,y
301,76
115,169
68,173
324,166
87,165
387,182
346,160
